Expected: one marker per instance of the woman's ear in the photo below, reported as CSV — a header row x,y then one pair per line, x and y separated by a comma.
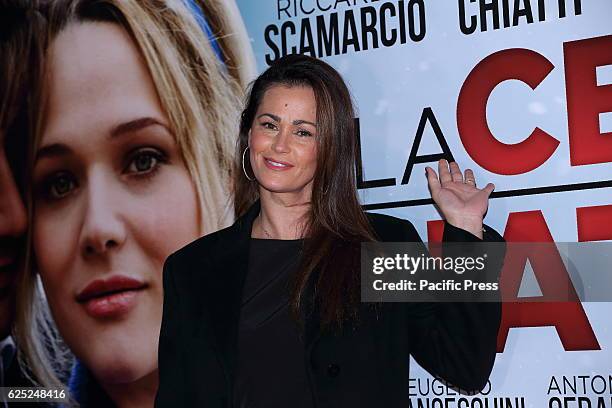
x,y
249,139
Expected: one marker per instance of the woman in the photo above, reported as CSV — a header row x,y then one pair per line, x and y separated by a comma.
x,y
234,335
130,162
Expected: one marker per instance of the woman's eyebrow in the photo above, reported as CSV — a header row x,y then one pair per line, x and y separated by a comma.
x,y
302,122
52,150
295,122
135,125
274,117
60,149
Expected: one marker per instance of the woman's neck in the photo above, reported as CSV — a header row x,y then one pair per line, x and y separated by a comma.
x,y
137,394
282,216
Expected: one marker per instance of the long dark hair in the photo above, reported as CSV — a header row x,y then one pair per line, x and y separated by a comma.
x,y
336,224
22,42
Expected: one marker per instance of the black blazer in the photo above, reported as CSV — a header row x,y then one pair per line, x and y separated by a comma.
x,y
363,366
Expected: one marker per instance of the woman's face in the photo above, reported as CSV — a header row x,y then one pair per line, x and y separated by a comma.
x,y
282,140
112,200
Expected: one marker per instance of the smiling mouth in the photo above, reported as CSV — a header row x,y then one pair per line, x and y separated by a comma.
x,y
276,164
8,269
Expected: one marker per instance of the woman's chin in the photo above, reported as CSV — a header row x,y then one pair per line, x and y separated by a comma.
x,y
120,363
117,372
282,188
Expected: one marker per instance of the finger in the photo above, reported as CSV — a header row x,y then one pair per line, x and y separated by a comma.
x,y
445,175
456,172
469,177
489,188
432,180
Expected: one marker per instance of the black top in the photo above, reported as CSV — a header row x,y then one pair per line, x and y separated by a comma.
x,y
270,366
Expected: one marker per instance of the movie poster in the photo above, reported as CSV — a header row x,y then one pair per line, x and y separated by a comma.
x,y
521,92
118,127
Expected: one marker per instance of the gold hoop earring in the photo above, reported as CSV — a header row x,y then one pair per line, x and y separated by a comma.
x,y
243,167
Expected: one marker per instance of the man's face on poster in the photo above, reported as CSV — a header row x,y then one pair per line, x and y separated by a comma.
x,y
12,229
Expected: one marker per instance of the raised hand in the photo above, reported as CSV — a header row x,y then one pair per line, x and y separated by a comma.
x,y
462,204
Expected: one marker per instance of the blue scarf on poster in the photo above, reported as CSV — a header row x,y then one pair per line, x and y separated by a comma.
x,y
85,390
201,19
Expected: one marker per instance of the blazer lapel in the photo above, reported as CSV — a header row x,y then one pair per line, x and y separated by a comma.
x,y
310,314
229,262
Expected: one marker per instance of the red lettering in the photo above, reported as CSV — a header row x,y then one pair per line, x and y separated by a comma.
x,y
586,100
482,146
568,318
435,230
594,223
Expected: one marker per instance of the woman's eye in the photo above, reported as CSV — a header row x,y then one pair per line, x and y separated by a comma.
x,y
59,185
304,133
269,125
145,161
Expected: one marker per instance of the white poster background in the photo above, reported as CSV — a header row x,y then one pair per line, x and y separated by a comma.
x,y
392,86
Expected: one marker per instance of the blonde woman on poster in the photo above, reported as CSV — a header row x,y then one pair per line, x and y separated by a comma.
x,y
131,161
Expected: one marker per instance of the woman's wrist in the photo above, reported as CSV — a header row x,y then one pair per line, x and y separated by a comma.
x,y
472,225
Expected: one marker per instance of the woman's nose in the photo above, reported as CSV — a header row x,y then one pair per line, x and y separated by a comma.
x,y
103,226
282,140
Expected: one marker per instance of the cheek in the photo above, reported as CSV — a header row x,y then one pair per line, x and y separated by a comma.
x,y
55,256
309,158
54,242
259,141
169,218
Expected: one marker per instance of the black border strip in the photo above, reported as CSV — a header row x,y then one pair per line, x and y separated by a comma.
x,y
499,194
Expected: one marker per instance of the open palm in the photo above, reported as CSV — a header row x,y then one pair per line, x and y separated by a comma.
x,y
456,194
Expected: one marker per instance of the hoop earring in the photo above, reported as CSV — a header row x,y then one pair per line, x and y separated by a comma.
x,y
243,168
